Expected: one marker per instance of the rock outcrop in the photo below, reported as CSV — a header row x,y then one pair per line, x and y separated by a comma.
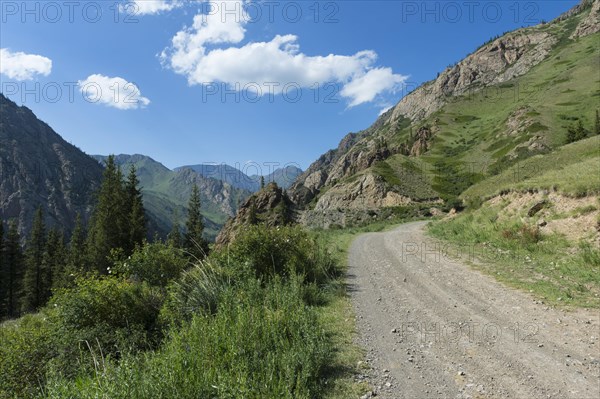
x,y
338,178
502,59
269,206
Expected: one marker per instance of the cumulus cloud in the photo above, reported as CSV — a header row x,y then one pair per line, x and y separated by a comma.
x,y
150,7
209,51
22,66
114,92
385,109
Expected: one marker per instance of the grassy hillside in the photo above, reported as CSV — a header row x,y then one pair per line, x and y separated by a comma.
x,y
573,170
482,134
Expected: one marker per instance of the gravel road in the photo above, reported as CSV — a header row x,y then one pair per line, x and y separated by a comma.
x,y
435,328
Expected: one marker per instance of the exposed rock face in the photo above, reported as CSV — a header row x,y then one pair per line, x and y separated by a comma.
x,y
270,206
367,192
222,195
590,24
499,61
422,141
503,59
39,168
518,122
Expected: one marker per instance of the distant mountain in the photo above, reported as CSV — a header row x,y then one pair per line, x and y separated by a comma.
x,y
225,173
284,177
166,193
38,167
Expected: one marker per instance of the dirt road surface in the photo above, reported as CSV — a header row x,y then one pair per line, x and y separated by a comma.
x,y
435,328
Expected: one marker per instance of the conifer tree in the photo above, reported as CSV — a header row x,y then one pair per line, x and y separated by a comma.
x,y
108,227
13,266
76,257
35,283
174,238
55,260
597,123
194,242
3,286
262,182
135,212
252,217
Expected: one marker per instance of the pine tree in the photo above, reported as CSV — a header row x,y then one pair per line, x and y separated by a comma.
x,y
194,242
35,283
13,269
55,260
174,238
135,210
108,227
3,286
262,182
252,216
76,257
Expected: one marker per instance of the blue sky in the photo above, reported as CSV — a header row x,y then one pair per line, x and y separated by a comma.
x,y
159,77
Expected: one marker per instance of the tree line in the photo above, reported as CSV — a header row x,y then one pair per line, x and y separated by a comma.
x,y
118,225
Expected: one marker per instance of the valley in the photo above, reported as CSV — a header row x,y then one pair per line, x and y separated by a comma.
x,y
451,249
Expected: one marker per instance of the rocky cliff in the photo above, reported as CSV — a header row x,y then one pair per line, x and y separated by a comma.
x,y
39,168
434,135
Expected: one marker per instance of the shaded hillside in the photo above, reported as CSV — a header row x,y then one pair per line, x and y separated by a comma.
x,y
513,98
39,168
167,192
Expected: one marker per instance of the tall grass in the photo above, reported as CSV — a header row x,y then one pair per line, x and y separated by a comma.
x,y
263,342
244,323
548,265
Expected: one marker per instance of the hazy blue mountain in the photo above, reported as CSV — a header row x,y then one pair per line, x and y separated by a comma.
x,y
284,177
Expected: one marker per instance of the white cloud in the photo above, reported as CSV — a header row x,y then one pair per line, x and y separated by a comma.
x,y
21,66
206,53
365,87
114,92
385,109
150,7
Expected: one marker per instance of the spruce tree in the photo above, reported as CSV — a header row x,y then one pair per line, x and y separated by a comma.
x,y
194,242
135,212
55,260
174,238
13,266
76,257
252,217
108,227
35,284
3,286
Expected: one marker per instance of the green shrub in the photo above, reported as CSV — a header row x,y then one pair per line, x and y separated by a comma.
x,y
197,291
103,318
282,251
25,349
263,342
157,264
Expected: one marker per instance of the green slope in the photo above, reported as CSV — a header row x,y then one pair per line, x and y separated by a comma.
x,y
473,143
166,194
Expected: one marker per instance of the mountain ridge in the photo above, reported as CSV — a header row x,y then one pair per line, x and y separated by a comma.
x,y
39,168
428,139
